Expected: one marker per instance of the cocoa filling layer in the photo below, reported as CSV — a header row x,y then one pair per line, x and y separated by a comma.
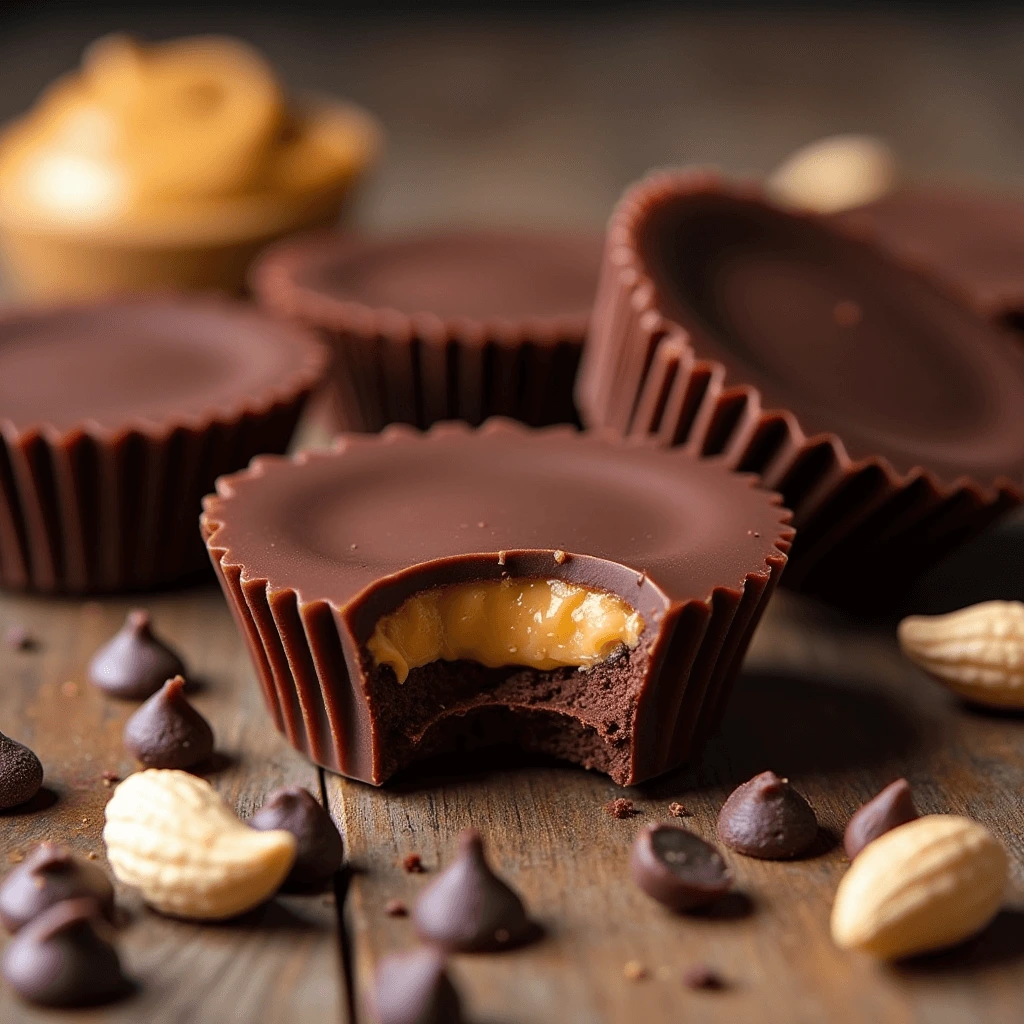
x,y
583,716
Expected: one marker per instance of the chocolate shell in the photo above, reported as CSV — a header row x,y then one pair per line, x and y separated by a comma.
x,y
694,548
115,419
889,417
453,325
967,237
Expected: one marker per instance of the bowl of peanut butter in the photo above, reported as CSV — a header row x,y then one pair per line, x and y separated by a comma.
x,y
169,165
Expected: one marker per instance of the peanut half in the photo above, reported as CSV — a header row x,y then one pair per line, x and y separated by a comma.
x,y
835,173
172,836
978,652
925,885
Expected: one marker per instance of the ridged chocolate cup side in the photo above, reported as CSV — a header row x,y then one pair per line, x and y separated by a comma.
x,y
318,686
420,369
864,529
94,509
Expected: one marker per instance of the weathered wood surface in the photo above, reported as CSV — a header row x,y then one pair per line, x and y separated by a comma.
x,y
278,964
545,122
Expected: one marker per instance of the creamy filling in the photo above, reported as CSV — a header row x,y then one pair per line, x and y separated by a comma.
x,y
541,624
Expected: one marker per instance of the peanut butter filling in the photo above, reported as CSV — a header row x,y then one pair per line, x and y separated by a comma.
x,y
541,624
167,134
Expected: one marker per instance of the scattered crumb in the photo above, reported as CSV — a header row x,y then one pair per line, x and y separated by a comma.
x,y
635,971
90,855
18,638
677,810
396,908
412,863
620,808
501,558
109,778
15,857
70,688
559,556
702,976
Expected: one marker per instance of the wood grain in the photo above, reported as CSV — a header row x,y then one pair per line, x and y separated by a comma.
x,y
279,963
828,702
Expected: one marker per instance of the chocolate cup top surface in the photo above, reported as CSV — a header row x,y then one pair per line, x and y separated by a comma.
x,y
380,518
859,347
462,283
972,238
147,364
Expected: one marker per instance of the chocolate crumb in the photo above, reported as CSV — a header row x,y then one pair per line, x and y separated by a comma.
x,y
620,808
633,970
412,864
701,976
677,810
109,778
501,558
396,908
559,557
18,638
91,855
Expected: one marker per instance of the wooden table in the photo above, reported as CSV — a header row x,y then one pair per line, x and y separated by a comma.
x,y
547,124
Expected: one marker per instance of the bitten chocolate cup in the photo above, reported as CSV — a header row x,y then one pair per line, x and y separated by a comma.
x,y
455,325
115,419
888,415
573,594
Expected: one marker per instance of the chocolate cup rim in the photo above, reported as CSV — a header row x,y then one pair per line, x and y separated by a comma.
x,y
309,372
213,518
272,280
624,272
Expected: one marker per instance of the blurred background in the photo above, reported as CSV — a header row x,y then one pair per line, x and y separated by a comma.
x,y
542,112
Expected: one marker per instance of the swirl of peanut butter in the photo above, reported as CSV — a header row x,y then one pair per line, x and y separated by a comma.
x,y
191,133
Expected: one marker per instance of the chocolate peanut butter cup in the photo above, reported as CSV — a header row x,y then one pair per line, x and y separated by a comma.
x,y
971,238
455,325
116,418
577,595
888,415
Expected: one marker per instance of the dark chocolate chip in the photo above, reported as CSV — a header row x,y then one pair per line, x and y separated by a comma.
x,y
18,638
677,868
414,988
701,976
167,732
60,959
893,806
47,876
319,851
467,908
134,663
21,773
767,818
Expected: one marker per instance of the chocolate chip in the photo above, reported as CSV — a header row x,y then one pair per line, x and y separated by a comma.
x,y
620,808
893,806
767,818
167,732
49,875
467,908
412,863
677,868
319,851
134,663
18,638
59,958
21,773
701,976
414,988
